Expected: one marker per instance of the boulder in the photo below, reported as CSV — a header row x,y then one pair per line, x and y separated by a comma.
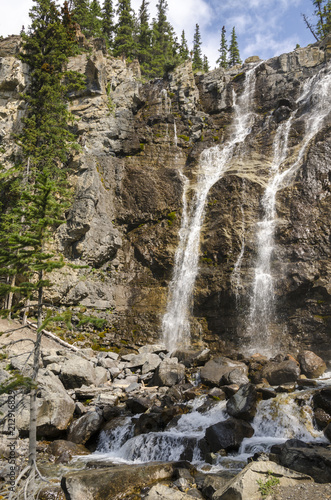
x,y
235,376
55,408
228,434
191,357
65,450
281,373
311,365
77,371
322,418
243,403
305,458
151,364
214,370
327,431
322,399
163,492
169,373
84,427
246,485
113,483
138,405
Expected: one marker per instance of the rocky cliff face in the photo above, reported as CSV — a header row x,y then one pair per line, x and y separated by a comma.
x,y
136,138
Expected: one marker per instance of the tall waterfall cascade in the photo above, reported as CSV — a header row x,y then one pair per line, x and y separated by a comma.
x,y
214,162
314,106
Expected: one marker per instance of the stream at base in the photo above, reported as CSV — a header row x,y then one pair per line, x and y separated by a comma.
x,y
278,419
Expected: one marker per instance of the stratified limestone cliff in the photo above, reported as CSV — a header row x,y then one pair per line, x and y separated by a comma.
x,y
136,138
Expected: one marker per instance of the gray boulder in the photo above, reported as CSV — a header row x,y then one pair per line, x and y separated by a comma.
x,y
243,403
281,373
309,459
245,485
311,365
86,426
228,434
77,371
169,373
214,371
55,408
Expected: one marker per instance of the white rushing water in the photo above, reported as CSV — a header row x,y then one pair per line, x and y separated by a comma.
x,y
276,420
314,104
214,162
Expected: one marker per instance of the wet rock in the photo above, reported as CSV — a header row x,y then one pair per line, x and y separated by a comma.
x,y
245,486
322,399
113,483
169,373
86,426
281,373
217,394
243,404
228,434
213,371
327,431
211,484
266,392
51,493
311,365
321,418
305,458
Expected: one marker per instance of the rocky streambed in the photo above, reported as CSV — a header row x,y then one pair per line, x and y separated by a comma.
x,y
153,424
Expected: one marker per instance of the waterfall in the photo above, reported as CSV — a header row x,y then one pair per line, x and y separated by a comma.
x,y
214,162
314,105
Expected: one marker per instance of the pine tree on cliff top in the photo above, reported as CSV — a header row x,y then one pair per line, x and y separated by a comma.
x,y
164,46
205,65
234,56
144,39
222,61
197,62
183,48
108,22
124,43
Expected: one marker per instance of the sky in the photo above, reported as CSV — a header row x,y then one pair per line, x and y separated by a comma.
x,y
265,28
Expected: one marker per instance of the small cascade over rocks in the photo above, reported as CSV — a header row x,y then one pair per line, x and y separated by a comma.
x,y
214,162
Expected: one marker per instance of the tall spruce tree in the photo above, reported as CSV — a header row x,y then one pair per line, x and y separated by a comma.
x,y
197,62
107,13
144,39
205,65
234,56
164,43
81,14
124,45
96,19
222,61
45,144
183,48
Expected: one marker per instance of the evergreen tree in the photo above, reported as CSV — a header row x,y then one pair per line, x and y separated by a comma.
x,y
144,39
183,48
39,182
197,63
96,19
222,61
164,43
124,42
205,66
108,22
323,13
81,14
234,56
